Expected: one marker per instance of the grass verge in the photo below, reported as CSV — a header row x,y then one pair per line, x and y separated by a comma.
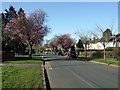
x,y
107,62
21,77
34,60
24,62
37,54
100,60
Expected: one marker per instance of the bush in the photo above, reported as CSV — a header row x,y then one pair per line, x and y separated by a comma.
x,y
109,55
112,55
109,49
97,54
94,50
116,55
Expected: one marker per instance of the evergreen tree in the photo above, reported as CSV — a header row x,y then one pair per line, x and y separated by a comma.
x,y
4,20
73,48
11,13
79,46
20,10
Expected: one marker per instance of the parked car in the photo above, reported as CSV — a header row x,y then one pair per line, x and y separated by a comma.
x,y
46,52
71,54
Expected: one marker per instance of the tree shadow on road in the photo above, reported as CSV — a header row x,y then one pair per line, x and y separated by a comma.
x,y
68,59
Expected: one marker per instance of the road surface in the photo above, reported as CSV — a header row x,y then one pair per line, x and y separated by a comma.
x,y
70,73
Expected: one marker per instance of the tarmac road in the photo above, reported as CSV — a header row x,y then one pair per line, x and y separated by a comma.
x,y
71,73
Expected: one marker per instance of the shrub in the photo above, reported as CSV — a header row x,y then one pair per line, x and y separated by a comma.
x,y
116,55
97,54
109,55
109,49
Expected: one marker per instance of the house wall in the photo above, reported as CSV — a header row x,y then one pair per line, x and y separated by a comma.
x,y
100,46
96,46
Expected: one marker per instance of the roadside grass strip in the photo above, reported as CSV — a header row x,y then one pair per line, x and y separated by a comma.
x,y
35,60
22,77
24,62
107,62
37,54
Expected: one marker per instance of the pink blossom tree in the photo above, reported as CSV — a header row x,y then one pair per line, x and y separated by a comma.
x,y
65,41
61,42
53,43
30,30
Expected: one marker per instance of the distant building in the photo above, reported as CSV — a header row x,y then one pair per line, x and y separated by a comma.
x,y
113,42
97,45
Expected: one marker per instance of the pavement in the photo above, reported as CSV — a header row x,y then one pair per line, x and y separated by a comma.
x,y
70,73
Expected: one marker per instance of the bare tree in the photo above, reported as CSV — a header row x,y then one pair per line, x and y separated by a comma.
x,y
103,36
85,38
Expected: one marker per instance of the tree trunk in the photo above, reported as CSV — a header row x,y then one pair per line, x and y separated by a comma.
x,y
116,44
86,51
30,52
104,53
78,52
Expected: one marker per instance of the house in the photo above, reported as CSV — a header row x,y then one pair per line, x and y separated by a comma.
x,y
113,42
97,45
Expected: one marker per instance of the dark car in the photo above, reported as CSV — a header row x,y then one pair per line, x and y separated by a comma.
x,y
71,54
60,53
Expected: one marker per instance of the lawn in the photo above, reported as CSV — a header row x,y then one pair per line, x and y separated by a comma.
x,y
22,77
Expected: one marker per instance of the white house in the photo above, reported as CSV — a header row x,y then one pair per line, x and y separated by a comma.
x,y
98,45
113,42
